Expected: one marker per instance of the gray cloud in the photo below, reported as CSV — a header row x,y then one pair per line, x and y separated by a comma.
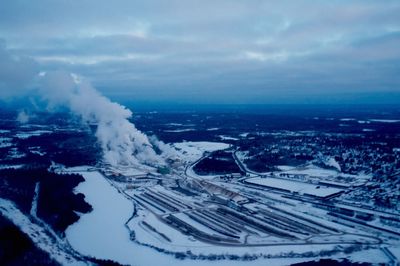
x,y
250,49
16,72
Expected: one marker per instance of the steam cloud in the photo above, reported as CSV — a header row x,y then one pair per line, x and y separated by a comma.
x,y
23,117
121,142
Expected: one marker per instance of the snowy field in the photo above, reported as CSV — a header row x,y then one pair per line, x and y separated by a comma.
x,y
311,170
294,186
223,137
192,151
5,142
14,166
385,120
179,130
327,175
28,134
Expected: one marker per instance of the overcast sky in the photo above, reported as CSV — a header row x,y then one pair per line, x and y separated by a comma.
x,y
209,51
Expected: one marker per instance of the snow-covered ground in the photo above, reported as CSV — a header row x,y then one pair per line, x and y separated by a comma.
x,y
191,173
127,171
103,234
28,134
286,167
385,120
5,142
174,124
15,153
321,173
312,170
14,166
191,151
395,251
294,186
223,137
41,236
179,130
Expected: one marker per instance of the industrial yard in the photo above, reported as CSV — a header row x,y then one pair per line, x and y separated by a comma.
x,y
189,215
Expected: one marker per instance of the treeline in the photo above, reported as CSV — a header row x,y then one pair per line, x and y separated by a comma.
x,y
16,248
219,162
56,202
70,148
330,262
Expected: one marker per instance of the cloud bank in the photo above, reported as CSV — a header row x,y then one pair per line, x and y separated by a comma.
x,y
213,51
16,73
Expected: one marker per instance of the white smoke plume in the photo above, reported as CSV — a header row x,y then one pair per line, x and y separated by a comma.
x,y
23,117
121,142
